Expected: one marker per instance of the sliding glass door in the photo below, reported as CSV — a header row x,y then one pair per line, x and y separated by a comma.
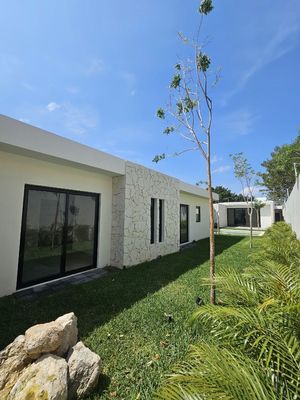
x,y
59,234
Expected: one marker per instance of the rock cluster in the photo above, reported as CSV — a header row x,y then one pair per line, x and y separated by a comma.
x,y
47,363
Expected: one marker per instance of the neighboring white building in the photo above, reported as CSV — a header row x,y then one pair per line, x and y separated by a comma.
x,y
236,214
291,209
66,208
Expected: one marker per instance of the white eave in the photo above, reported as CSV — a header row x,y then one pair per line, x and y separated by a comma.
x,y
21,138
196,190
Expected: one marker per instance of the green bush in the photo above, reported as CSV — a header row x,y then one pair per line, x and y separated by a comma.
x,y
279,244
254,346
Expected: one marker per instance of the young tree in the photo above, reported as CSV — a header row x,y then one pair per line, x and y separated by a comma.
x,y
279,175
247,177
258,205
191,111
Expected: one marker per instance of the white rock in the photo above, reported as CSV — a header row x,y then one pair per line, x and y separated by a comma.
x,y
43,338
84,370
45,379
70,333
12,360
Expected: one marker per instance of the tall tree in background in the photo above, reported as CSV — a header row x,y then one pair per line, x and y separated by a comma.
x,y
279,177
226,194
247,177
258,205
191,111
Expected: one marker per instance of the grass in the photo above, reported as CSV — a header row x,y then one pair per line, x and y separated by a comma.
x,y
122,316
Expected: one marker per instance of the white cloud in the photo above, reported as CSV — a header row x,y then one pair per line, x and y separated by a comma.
x,y
221,169
129,77
69,119
78,121
215,159
237,123
28,86
72,89
282,41
52,106
95,67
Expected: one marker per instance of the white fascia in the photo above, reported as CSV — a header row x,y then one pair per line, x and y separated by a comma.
x,y
21,138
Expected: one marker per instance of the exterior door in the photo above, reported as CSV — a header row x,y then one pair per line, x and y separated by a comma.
x,y
184,223
59,234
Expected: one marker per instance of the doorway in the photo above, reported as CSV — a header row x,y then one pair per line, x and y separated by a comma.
x,y
59,234
184,223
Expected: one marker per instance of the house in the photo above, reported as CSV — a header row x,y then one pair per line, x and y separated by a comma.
x,y
66,208
235,214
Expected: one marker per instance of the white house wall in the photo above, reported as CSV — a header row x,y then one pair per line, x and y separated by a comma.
x,y
197,230
18,170
267,215
291,210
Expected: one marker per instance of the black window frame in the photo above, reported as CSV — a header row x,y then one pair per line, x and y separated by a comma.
x,y
161,205
198,213
181,239
152,220
63,272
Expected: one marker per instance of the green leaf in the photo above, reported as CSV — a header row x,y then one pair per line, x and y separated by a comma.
x,y
168,130
203,62
176,81
159,157
160,113
206,7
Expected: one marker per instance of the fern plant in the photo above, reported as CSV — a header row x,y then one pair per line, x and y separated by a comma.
x,y
254,346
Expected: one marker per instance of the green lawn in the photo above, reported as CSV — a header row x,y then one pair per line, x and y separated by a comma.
x,y
122,316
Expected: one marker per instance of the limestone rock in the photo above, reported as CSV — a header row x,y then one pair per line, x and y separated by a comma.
x,y
12,360
45,379
70,333
84,370
43,338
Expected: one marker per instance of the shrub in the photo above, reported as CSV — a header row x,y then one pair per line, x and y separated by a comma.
x,y
254,349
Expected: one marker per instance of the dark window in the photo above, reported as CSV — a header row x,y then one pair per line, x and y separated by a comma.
x,y
184,223
59,234
161,220
152,221
198,214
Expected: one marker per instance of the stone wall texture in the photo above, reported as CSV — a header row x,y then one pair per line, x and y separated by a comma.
x,y
118,217
131,225
142,184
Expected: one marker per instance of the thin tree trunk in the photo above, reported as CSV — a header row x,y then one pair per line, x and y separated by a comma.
x,y
211,236
251,228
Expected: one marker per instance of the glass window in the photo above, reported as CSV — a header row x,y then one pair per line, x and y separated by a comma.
x,y
198,214
43,235
59,234
152,220
80,232
161,216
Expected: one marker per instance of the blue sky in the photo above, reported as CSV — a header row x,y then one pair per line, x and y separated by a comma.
x,y
96,71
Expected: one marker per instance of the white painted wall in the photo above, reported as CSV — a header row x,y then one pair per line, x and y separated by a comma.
x,y
18,170
267,215
197,230
221,213
291,209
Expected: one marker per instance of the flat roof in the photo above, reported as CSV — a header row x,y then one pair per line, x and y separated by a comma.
x,y
17,136
25,139
196,190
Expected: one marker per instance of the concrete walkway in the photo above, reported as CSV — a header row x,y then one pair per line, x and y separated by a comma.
x,y
241,231
55,286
